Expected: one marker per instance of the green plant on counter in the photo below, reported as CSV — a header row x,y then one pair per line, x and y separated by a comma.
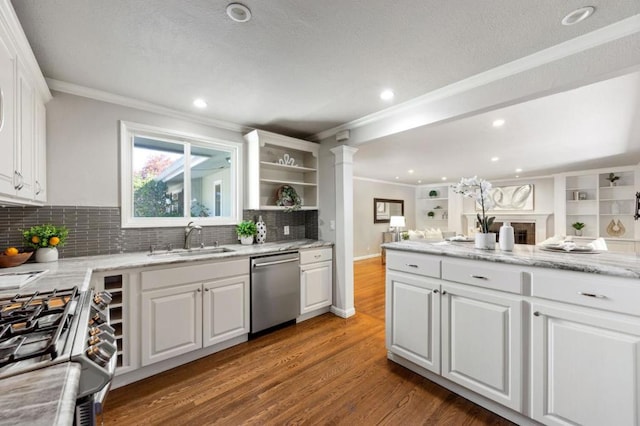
x,y
246,228
405,235
578,225
46,235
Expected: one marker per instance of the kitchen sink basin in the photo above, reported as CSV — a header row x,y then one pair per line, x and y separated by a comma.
x,y
191,252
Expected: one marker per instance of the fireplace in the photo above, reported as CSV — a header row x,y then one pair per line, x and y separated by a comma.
x,y
523,232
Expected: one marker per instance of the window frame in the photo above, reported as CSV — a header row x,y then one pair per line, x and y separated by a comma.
x,y
128,130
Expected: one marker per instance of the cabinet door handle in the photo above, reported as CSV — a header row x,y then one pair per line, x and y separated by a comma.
x,y
318,256
206,289
39,188
597,296
16,179
444,292
479,277
436,291
536,314
411,265
199,290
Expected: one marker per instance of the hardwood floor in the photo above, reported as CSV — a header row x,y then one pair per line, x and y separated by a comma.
x,y
327,370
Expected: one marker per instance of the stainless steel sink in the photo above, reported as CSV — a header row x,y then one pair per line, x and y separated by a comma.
x,y
191,252
210,250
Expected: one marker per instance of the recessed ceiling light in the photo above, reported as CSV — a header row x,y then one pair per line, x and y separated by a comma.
x,y
517,176
238,12
444,178
578,15
518,170
397,177
498,123
419,181
200,103
494,159
410,171
387,95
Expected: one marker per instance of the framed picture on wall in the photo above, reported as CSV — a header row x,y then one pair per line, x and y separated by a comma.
x,y
384,208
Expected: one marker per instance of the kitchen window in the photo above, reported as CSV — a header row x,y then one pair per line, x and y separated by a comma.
x,y
169,178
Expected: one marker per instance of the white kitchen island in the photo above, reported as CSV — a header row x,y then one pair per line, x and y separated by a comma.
x,y
535,336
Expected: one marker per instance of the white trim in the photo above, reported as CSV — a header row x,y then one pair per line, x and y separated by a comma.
x,y
365,257
386,181
615,31
23,49
99,95
127,129
343,313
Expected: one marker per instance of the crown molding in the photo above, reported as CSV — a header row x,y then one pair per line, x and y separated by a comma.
x,y
99,95
615,31
408,185
20,44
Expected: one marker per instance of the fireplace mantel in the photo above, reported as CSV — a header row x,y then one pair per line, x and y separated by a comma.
x,y
540,219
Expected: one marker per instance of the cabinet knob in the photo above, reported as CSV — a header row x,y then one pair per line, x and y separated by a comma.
x,y
436,291
206,289
536,314
199,290
444,292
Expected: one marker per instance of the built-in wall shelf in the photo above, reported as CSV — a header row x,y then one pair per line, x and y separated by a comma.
x,y
274,161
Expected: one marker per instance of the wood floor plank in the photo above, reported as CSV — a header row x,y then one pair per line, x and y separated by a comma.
x,y
326,370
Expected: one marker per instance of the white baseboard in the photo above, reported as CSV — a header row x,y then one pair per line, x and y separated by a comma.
x,y
343,313
367,256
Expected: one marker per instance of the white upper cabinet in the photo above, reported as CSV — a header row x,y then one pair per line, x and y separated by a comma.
x,y
274,161
23,94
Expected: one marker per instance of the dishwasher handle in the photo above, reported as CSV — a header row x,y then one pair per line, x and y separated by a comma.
x,y
276,262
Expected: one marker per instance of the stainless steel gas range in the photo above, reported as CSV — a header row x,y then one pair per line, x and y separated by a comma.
x,y
41,329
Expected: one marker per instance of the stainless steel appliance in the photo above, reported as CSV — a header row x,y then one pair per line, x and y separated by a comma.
x,y
275,290
41,329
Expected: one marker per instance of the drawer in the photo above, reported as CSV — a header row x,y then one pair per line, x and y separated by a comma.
x,y
596,291
316,255
414,263
203,272
483,274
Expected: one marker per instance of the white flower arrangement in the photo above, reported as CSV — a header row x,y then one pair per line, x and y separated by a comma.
x,y
477,189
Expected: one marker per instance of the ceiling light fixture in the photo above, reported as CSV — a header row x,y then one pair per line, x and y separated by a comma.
x,y
397,177
238,12
578,15
498,123
494,159
444,178
387,95
518,170
419,181
410,171
200,103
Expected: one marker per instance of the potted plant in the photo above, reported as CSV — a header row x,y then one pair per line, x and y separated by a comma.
x,y
433,193
246,230
612,179
479,189
46,239
578,228
431,215
288,198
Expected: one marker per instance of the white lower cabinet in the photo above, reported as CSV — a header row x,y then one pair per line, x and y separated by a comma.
x,y
413,319
171,322
187,308
315,286
226,313
585,366
482,342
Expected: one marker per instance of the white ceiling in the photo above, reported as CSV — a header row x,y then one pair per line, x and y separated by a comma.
x,y
303,67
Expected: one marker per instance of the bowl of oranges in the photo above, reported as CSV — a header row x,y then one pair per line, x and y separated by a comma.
x,y
13,257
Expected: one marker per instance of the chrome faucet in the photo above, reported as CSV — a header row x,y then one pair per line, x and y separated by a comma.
x,y
187,233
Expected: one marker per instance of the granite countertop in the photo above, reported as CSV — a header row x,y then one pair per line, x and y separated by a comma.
x,y
47,396
603,263
41,397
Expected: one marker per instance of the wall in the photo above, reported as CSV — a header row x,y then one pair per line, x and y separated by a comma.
x,y
83,181
543,199
83,142
368,235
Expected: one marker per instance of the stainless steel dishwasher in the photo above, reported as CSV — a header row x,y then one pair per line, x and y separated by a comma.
x,y
275,290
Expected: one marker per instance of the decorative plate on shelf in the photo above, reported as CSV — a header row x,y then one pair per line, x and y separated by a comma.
x,y
616,229
286,196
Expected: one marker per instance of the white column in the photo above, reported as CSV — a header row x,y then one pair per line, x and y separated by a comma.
x,y
343,300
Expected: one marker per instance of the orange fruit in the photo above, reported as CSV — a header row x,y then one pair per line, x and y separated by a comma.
x,y
11,251
54,241
35,239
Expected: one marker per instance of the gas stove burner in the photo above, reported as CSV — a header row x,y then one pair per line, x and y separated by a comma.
x,y
31,324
